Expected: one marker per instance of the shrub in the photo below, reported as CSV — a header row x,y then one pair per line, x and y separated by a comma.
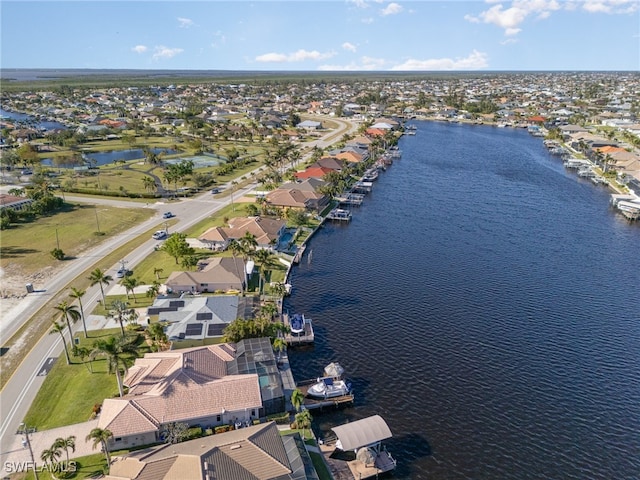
x,y
57,253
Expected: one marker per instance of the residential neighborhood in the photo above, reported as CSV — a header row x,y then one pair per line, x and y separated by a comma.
x,y
226,185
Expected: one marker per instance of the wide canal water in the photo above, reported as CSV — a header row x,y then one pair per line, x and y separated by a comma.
x,y
485,302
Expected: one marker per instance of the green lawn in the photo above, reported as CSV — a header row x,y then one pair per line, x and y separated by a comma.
x,y
73,229
70,392
91,466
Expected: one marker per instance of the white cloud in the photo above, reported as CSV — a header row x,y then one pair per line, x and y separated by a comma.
x,y
611,6
349,46
185,22
367,20
366,64
140,48
359,3
510,18
298,56
391,9
165,52
475,61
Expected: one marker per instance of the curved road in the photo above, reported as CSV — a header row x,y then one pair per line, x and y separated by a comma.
x,y
22,387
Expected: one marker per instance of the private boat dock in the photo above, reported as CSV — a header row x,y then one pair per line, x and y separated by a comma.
x,y
315,403
303,338
350,199
339,214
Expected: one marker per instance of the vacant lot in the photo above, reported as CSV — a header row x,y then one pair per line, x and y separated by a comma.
x,y
26,246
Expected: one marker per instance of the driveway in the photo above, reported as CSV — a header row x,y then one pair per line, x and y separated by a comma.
x,y
43,440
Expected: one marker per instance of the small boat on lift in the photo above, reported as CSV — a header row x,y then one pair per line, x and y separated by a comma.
x,y
296,323
327,387
332,384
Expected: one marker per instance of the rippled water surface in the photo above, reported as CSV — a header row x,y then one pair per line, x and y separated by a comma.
x,y
486,303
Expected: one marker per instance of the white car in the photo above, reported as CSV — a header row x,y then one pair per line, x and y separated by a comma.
x,y
159,235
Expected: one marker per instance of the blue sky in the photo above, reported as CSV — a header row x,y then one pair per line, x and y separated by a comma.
x,y
322,35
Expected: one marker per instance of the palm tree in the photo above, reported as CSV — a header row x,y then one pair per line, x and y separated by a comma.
x,y
278,289
149,183
279,345
129,284
248,242
297,399
83,353
153,289
99,277
157,271
78,293
68,311
121,312
59,328
51,455
116,350
266,260
66,444
156,334
303,420
101,436
236,249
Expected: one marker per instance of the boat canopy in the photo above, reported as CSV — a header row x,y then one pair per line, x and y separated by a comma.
x,y
334,369
362,433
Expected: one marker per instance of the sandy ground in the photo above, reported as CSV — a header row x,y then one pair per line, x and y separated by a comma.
x,y
13,284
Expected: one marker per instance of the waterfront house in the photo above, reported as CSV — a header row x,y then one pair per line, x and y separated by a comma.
x,y
207,386
267,231
221,274
313,172
294,197
189,318
255,451
332,163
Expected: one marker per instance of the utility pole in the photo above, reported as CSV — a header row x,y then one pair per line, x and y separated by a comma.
x,y
26,442
57,240
95,209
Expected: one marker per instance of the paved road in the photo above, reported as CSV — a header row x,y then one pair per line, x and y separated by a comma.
x,y
22,387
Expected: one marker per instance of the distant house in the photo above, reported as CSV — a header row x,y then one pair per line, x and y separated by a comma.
x,y
220,274
257,452
14,202
207,386
309,125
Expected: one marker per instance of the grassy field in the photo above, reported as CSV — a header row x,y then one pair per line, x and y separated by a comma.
x,y
74,229
69,392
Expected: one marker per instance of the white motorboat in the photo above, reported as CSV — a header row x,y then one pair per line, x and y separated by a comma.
x,y
329,388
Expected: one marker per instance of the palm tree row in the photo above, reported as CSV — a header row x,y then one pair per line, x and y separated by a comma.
x,y
52,454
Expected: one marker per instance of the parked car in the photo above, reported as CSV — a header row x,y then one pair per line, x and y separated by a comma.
x,y
167,215
215,190
159,235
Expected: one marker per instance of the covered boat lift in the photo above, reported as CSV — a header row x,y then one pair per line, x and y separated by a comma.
x,y
364,437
